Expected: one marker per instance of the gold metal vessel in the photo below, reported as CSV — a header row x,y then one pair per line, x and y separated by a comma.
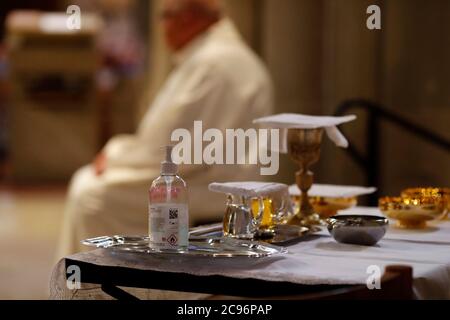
x,y
327,207
430,192
411,212
304,149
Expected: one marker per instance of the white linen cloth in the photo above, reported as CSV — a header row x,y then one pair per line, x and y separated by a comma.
x,y
332,191
321,260
249,188
217,80
285,121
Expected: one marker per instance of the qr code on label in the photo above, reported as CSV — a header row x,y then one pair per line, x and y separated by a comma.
x,y
173,213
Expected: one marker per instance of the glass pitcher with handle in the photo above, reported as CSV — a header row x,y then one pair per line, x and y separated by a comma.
x,y
277,210
240,221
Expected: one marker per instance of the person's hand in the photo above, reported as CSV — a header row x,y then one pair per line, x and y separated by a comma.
x,y
100,163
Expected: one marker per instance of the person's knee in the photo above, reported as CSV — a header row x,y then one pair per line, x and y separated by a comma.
x,y
84,194
80,183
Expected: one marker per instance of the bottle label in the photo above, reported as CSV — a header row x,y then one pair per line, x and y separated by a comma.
x,y
168,226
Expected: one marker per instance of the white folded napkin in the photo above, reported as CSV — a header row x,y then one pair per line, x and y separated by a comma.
x,y
333,191
287,121
249,188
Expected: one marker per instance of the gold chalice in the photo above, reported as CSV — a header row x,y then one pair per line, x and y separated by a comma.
x,y
304,148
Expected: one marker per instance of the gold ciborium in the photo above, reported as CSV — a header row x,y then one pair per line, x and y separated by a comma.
x,y
304,148
443,193
413,213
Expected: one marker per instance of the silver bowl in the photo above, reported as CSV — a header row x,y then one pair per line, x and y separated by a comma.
x,y
358,229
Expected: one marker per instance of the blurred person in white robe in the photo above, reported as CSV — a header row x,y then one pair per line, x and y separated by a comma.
x,y
217,79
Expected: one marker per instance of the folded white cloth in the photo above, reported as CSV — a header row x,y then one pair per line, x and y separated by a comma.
x,y
287,121
249,188
333,191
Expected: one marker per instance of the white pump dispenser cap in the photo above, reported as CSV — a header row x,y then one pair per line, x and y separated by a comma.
x,y
168,167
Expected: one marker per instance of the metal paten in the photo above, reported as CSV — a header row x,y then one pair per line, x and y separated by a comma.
x,y
358,229
282,234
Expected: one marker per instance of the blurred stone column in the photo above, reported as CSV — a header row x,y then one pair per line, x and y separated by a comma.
x,y
245,13
292,48
159,64
351,69
416,85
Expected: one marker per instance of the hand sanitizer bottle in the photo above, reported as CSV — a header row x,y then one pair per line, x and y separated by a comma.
x,y
168,209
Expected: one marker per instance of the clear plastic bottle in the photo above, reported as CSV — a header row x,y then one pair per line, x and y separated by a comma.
x,y
168,209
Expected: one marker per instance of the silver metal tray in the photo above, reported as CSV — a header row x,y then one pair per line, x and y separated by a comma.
x,y
216,247
281,235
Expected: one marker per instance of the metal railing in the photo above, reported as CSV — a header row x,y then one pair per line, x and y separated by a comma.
x,y
370,161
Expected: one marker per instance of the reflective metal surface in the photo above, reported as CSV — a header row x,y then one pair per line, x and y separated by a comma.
x,y
304,149
443,193
358,229
198,246
278,235
289,234
413,213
